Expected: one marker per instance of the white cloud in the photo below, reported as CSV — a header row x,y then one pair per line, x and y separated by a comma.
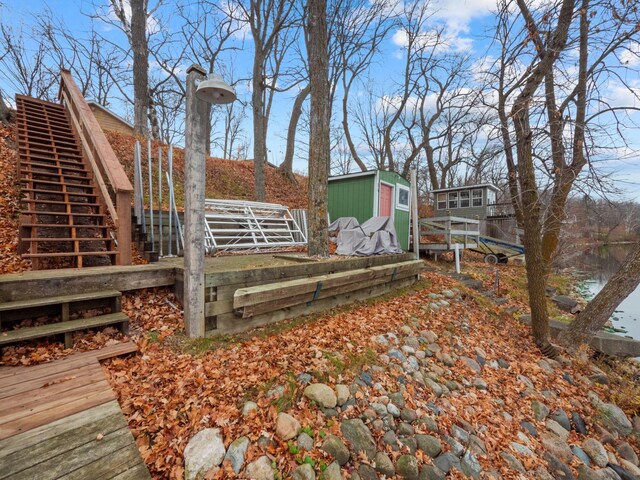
x,y
443,42
631,56
619,95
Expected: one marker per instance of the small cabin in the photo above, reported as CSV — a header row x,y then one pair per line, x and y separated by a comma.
x,y
109,120
375,193
472,201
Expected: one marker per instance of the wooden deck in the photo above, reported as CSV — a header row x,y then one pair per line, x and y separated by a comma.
x,y
61,420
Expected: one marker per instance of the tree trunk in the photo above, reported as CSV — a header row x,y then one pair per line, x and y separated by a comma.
x,y
595,315
140,66
259,129
531,222
345,126
5,113
287,165
319,139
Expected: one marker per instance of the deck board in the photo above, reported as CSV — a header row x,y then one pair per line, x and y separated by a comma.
x,y
54,415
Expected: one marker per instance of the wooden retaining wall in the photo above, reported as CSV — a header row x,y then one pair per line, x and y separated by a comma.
x,y
220,288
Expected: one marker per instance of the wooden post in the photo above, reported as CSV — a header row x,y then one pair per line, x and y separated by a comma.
x,y
123,235
414,213
194,206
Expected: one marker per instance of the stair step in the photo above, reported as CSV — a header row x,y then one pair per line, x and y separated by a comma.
x,y
49,158
68,254
63,214
58,192
62,184
60,225
65,239
54,167
42,302
58,202
31,333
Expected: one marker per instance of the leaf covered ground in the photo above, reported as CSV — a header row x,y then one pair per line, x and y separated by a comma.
x,y
176,387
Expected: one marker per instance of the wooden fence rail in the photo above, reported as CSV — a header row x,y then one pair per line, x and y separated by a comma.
x,y
114,185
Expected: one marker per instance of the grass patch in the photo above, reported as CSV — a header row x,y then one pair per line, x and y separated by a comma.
x,y
345,364
200,346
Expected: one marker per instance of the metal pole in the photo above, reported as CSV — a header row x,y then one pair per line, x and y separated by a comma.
x,y
149,163
170,199
194,165
160,197
414,213
457,251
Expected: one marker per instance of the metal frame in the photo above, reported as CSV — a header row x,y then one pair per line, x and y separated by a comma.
x,y
236,224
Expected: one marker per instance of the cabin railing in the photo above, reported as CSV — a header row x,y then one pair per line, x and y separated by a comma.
x,y
453,229
500,210
114,185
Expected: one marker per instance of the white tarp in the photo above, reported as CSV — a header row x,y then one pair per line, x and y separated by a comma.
x,y
376,236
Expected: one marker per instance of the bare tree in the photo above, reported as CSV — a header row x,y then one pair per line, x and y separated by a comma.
x,y
268,20
541,122
134,17
320,119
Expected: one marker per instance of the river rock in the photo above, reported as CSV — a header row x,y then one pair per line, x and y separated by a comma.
x,y
384,465
513,462
304,472
581,454
204,451
557,467
236,452
540,410
322,394
260,469
562,418
342,394
332,472
557,446
578,423
556,428
336,448
429,445
627,452
357,433
596,452
407,467
611,416
287,427
305,442
471,364
446,462
470,466
248,408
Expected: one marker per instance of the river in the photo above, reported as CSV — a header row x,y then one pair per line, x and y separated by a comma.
x,y
597,266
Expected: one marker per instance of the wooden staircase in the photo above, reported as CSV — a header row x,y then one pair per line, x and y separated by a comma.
x,y
66,314
62,216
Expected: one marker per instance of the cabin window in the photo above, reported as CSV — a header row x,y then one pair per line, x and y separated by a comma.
x,y
402,201
442,201
491,197
476,198
464,199
453,199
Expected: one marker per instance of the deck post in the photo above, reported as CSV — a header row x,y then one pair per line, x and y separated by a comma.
x,y
414,213
194,206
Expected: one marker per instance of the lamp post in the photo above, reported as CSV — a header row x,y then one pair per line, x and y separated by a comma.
x,y
201,90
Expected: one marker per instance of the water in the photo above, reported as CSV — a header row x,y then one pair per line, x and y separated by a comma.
x,y
599,265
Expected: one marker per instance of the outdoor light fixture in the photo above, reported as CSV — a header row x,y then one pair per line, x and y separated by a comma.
x,y
215,90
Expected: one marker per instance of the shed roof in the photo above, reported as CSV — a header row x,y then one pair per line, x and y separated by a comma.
x,y
467,187
362,174
352,175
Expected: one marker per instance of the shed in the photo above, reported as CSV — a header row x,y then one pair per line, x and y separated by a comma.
x,y
109,120
369,194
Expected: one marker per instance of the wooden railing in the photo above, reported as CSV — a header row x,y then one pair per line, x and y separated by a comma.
x,y
454,229
114,185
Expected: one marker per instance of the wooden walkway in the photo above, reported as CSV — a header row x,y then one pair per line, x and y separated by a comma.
x,y
61,420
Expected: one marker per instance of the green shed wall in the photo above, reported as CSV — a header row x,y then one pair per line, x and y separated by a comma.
x,y
401,218
351,197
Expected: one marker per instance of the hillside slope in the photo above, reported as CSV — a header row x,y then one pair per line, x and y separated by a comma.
x,y
225,179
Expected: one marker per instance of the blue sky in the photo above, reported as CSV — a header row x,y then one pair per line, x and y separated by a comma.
x,y
468,26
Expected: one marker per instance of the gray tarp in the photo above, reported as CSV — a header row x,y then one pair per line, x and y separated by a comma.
x,y
376,236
